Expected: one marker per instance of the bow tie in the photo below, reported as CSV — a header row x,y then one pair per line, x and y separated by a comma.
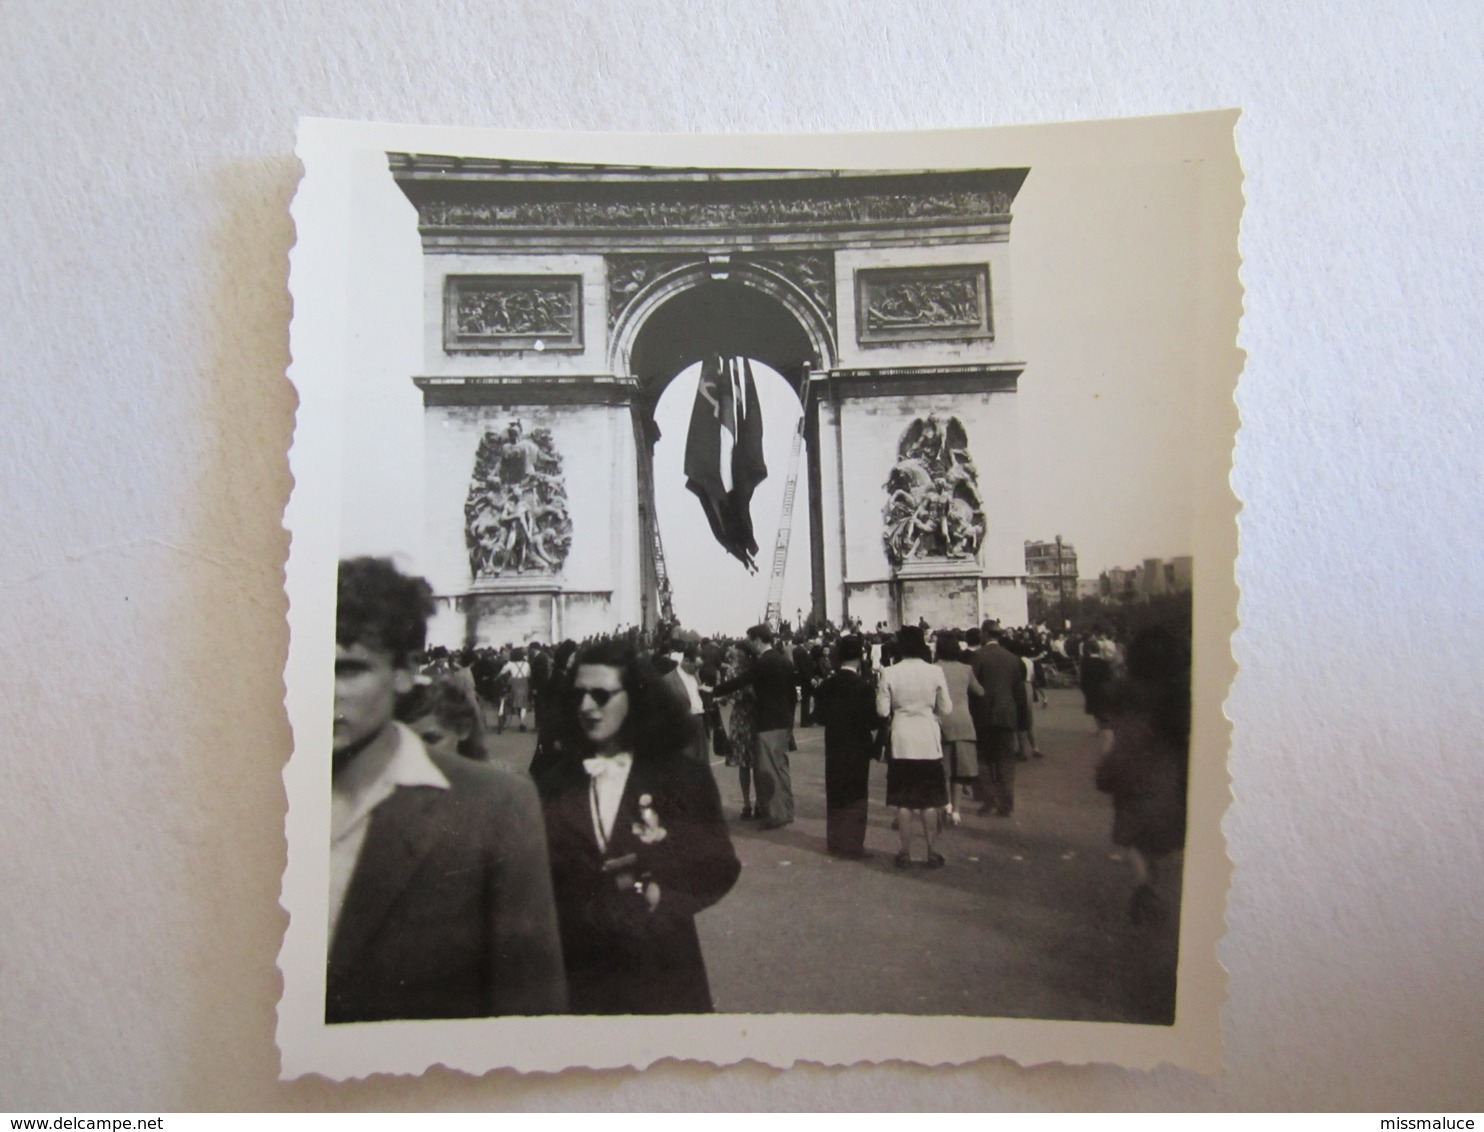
x,y
611,764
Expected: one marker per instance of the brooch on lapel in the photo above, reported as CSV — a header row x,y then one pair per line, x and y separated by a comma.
x,y
648,829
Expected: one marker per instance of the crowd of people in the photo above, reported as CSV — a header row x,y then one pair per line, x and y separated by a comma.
x,y
578,890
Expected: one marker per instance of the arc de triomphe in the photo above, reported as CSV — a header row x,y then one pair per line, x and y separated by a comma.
x,y
562,299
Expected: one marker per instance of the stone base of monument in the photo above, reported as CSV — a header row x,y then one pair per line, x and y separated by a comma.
x,y
520,609
944,592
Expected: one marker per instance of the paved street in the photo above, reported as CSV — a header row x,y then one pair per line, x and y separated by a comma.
x,y
1028,920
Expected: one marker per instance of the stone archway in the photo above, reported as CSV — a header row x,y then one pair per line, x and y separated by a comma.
x,y
562,298
734,310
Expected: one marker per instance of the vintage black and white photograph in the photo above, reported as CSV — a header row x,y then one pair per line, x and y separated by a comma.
x,y
760,597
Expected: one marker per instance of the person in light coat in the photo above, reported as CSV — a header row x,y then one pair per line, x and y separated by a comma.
x,y
914,693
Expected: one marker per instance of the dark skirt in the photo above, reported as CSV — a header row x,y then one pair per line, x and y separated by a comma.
x,y
916,784
1097,675
962,757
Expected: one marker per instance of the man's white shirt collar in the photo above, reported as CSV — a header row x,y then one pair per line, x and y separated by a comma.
x,y
366,783
370,779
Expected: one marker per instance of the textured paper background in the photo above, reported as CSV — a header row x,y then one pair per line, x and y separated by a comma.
x,y
143,330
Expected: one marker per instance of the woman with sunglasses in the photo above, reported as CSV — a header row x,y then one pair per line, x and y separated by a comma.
x,y
637,840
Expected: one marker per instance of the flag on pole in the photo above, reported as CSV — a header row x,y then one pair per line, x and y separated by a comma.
x,y
724,453
703,451
749,468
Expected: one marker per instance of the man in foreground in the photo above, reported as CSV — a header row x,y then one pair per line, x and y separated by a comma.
x,y
440,894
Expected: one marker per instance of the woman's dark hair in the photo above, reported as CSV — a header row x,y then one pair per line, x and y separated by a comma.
x,y
562,655
911,643
448,704
948,648
658,721
1156,654
1158,684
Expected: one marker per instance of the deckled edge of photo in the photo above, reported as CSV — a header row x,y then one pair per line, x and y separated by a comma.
x,y
318,285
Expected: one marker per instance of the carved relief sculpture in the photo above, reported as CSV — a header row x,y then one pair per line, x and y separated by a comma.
x,y
966,206
493,312
811,272
927,303
934,509
630,274
515,519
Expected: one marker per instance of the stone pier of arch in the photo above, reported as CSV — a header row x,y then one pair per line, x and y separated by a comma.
x,y
567,297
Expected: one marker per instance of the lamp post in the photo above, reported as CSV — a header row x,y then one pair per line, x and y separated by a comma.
x,y
1061,585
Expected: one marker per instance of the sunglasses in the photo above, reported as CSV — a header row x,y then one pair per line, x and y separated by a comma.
x,y
600,696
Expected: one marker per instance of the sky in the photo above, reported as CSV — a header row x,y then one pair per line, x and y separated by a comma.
x,y
1099,303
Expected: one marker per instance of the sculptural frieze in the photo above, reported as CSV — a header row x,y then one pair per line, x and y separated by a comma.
x,y
512,311
515,518
934,508
935,302
967,206
630,274
811,272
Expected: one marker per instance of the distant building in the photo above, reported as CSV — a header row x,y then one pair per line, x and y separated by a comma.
x,y
1051,571
1118,582
1153,577
1089,587
1181,574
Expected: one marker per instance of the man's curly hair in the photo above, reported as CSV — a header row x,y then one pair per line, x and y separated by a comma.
x,y
380,607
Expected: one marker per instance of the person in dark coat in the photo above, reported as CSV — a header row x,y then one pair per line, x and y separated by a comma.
x,y
637,841
1099,655
772,680
1147,766
846,705
804,677
997,715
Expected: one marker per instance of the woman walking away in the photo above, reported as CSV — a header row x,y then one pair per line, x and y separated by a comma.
x,y
519,670
915,694
960,750
742,726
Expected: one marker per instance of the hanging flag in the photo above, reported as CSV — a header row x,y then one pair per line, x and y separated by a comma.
x,y
727,414
748,466
703,445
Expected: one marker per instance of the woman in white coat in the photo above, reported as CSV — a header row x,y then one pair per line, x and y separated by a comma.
x,y
915,694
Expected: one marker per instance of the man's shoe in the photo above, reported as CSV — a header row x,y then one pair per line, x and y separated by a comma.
x,y
936,860
903,861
